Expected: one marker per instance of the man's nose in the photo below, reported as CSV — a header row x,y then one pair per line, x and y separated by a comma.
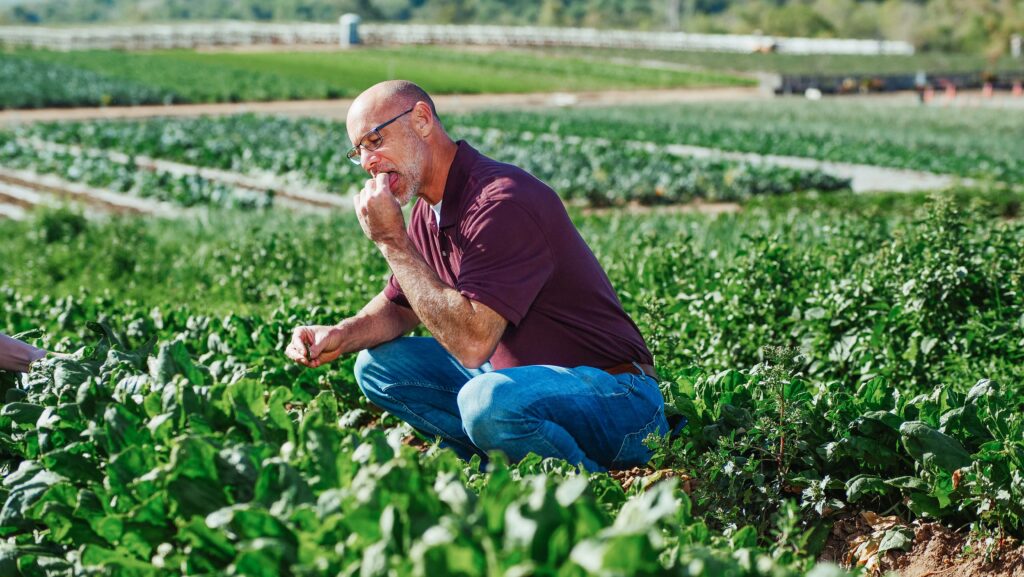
x,y
368,159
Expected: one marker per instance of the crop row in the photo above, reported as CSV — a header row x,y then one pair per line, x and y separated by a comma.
x,y
98,171
977,143
592,171
28,83
933,63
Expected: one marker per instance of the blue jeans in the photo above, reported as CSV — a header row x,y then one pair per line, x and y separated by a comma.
x,y
582,414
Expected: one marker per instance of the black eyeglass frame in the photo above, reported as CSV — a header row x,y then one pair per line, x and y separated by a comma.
x,y
353,153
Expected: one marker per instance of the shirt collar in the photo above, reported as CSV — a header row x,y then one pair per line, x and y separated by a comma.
x,y
458,178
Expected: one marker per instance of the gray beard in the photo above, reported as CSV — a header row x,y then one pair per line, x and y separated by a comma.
x,y
412,190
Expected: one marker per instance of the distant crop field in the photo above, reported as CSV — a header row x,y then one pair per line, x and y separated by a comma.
x,y
934,63
976,143
36,79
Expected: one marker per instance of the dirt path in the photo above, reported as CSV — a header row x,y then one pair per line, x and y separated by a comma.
x,y
447,104
33,187
863,177
261,183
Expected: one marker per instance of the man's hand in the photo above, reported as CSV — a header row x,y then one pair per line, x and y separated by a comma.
x,y
378,210
313,346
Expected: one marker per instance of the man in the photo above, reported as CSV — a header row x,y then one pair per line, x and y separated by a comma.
x,y
531,349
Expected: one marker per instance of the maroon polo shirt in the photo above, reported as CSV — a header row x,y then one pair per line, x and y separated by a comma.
x,y
505,240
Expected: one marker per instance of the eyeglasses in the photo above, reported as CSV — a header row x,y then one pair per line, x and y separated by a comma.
x,y
372,140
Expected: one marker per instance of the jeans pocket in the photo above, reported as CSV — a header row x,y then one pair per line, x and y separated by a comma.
x,y
633,452
602,384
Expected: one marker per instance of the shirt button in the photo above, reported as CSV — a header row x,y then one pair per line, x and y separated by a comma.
x,y
444,253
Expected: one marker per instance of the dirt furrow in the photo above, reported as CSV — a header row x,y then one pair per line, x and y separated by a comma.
x,y
107,201
12,211
263,183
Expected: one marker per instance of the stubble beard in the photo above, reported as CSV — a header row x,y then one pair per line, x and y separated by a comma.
x,y
412,173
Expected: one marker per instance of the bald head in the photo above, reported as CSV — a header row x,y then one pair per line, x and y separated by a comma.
x,y
394,129
397,95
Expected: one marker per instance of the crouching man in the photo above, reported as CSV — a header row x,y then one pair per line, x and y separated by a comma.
x,y
531,350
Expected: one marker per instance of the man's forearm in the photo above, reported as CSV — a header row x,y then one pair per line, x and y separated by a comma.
x,y
16,355
446,313
378,322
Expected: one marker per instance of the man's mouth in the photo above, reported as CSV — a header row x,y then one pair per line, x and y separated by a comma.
x,y
392,178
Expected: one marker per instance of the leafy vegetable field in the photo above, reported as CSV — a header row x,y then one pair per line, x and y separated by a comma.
x,y
829,360
585,171
40,79
833,64
978,143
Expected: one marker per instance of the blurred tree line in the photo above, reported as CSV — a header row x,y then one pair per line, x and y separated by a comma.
x,y
970,26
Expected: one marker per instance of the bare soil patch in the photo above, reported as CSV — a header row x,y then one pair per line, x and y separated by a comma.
x,y
15,201
937,551
646,477
103,200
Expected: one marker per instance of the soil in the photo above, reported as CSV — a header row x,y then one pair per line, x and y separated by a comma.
x,y
937,551
647,477
102,200
7,199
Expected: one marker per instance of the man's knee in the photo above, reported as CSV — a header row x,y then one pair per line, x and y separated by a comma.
x,y
487,409
364,360
371,369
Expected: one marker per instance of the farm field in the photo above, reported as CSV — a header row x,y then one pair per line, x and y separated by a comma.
x,y
37,79
310,153
976,143
827,64
850,365
225,457
593,157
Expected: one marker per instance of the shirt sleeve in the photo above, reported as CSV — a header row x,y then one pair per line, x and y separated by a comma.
x,y
393,292
16,355
506,259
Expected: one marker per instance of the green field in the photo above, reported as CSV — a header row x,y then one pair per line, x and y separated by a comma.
x,y
834,354
978,143
591,173
92,78
212,454
828,64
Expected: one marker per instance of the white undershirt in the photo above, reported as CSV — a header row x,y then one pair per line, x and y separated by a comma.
x,y
437,213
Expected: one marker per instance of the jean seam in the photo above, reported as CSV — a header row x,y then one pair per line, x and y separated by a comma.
x,y
625,439
422,384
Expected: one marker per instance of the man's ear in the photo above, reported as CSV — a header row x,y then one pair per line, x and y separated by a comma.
x,y
423,119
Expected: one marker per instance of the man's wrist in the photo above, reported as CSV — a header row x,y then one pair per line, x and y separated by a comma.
x,y
398,243
32,362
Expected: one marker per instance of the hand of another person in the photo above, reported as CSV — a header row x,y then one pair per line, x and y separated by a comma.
x,y
313,346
